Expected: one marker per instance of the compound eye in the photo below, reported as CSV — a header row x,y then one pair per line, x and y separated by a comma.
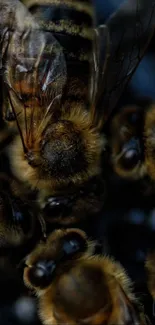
x,y
73,243
130,158
57,206
132,154
41,274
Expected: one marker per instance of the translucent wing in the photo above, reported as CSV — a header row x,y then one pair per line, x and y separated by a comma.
x,y
130,313
36,68
129,32
35,72
13,16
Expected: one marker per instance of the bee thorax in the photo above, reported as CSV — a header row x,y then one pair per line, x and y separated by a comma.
x,y
66,150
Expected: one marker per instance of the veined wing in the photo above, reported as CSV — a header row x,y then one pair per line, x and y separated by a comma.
x,y
122,42
35,73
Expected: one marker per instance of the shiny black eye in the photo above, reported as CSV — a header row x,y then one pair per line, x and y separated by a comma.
x,y
57,206
130,158
41,274
132,154
73,243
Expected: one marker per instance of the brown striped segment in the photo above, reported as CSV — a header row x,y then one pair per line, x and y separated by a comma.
x,y
54,12
71,23
84,6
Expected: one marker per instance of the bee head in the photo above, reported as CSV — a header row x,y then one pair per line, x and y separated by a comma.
x,y
74,206
46,262
126,144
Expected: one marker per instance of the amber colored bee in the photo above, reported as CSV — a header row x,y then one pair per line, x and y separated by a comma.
x,y
74,286
131,139
63,78
126,141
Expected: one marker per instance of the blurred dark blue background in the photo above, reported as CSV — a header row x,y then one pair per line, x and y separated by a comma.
x,y
143,81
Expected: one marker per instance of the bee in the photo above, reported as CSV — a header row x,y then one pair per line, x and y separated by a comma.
x,y
150,272
131,141
74,286
126,142
62,80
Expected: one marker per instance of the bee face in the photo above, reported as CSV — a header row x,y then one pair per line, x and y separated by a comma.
x,y
126,140
73,285
43,265
57,144
87,200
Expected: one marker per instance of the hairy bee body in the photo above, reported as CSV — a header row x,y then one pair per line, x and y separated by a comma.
x,y
62,146
73,285
62,82
132,141
126,142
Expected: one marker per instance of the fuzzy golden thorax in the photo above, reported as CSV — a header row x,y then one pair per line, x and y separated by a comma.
x,y
60,152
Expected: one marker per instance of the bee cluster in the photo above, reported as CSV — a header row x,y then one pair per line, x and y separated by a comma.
x,y
67,158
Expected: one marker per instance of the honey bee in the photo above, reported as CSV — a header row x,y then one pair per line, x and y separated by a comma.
x,y
131,139
63,78
126,142
74,286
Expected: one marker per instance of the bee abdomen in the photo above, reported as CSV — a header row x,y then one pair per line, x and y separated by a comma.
x,y
71,22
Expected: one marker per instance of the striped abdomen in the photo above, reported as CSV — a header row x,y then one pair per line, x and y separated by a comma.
x,y
71,22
